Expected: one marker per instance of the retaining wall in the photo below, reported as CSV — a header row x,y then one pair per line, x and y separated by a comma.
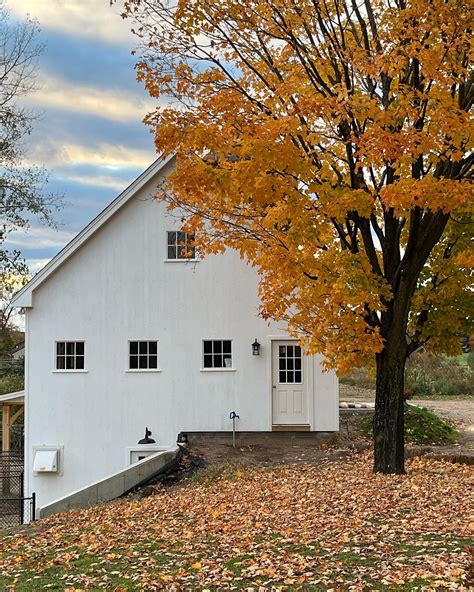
x,y
114,485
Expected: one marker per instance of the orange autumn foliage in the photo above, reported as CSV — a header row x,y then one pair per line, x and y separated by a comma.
x,y
330,143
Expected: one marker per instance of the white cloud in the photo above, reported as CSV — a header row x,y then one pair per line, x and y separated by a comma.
x,y
94,180
36,265
82,18
112,104
39,237
103,155
107,156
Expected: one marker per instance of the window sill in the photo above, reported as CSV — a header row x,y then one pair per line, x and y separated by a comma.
x,y
181,260
69,371
143,370
218,370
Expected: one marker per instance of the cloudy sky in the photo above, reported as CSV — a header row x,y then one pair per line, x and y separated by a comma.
x,y
89,134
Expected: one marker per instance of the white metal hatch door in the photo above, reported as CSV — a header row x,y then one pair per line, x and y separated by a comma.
x,y
289,392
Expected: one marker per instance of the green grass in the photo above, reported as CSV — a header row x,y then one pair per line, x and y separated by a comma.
x,y
236,564
114,572
120,572
421,427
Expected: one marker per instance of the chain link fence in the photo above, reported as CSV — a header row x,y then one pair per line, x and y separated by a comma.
x,y
15,508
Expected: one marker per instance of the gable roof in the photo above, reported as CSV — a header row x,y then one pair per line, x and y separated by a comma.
x,y
24,297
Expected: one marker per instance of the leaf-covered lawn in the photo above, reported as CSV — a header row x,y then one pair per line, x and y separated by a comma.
x,y
296,527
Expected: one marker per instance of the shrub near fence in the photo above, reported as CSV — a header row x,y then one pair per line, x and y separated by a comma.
x,y
428,376
12,376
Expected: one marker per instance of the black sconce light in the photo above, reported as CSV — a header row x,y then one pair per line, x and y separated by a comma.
x,y
147,439
255,348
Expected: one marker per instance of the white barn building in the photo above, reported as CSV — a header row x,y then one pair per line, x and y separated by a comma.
x,y
124,329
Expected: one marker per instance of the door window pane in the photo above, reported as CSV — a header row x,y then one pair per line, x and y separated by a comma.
x,y
290,359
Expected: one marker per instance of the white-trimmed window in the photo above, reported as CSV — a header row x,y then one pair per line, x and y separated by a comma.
x,y
70,355
180,245
217,353
143,355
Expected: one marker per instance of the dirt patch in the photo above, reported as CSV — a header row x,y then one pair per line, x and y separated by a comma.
x,y
281,453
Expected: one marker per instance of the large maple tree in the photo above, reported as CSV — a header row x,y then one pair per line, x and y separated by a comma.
x,y
330,143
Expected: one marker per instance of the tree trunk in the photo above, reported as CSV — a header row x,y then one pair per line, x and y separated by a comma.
x,y
389,453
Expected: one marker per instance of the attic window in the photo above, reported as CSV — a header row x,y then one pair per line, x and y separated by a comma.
x,y
70,355
180,245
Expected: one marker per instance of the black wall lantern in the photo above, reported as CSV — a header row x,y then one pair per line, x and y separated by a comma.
x,y
256,348
147,439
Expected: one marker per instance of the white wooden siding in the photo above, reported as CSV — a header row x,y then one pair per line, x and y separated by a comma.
x,y
117,288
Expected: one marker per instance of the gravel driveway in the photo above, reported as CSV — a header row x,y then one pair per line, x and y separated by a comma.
x,y
459,411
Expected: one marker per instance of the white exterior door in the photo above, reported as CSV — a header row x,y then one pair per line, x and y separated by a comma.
x,y
289,392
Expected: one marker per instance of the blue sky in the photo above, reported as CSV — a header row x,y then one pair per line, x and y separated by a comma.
x,y
89,134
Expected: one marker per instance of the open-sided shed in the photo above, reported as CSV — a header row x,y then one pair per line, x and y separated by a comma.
x,y
13,406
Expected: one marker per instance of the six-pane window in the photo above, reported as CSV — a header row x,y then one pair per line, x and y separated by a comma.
x,y
217,353
70,355
180,245
143,355
289,364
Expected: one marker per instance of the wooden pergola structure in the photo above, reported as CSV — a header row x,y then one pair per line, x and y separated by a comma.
x,y
9,416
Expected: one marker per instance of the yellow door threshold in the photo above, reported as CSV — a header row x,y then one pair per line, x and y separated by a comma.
x,y
291,428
